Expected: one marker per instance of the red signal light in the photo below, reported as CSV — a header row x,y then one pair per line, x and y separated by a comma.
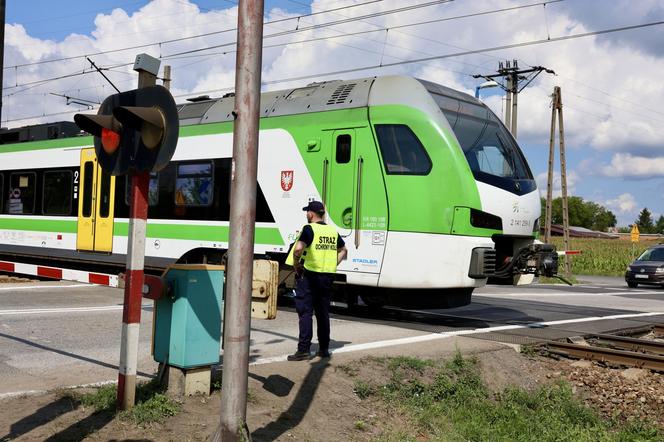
x,y
110,140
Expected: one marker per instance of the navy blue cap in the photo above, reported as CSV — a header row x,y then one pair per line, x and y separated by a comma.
x,y
314,206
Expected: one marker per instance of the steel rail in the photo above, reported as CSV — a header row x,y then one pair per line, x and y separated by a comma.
x,y
633,344
602,354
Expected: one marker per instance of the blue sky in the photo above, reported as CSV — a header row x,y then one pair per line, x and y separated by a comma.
x,y
78,16
611,84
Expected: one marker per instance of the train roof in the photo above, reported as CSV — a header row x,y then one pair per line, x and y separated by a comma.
x,y
314,97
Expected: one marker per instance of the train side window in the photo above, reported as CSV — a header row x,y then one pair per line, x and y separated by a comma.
x,y
153,190
2,191
343,149
57,192
194,184
21,193
402,151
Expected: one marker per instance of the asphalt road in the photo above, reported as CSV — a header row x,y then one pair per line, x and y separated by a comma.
x,y
60,334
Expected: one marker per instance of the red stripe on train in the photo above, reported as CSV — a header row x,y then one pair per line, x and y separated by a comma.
x,y
49,272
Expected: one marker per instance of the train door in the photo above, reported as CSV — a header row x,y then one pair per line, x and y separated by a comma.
x,y
95,206
356,201
341,195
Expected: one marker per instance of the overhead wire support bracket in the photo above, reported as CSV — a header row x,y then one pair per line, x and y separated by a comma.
x,y
102,74
75,100
510,72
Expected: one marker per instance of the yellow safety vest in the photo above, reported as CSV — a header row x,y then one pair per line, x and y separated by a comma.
x,y
321,254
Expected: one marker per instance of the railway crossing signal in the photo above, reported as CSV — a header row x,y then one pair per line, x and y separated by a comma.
x,y
134,130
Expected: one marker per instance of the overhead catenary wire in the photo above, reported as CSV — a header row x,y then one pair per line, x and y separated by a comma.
x,y
191,37
284,33
439,57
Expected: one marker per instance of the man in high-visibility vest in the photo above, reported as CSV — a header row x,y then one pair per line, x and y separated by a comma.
x,y
323,249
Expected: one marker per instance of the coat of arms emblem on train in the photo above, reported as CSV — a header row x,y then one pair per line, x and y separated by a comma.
x,y
286,180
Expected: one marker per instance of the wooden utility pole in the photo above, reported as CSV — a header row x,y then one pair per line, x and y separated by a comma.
x,y
557,111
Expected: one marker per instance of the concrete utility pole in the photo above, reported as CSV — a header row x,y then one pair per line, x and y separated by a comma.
x,y
133,293
237,322
513,75
557,109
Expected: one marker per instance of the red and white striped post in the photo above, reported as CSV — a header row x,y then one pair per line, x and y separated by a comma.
x,y
134,276
133,292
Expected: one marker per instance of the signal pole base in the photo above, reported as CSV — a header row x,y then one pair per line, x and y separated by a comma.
x,y
188,382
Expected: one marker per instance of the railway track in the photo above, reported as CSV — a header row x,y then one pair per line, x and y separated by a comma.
x,y
658,330
622,350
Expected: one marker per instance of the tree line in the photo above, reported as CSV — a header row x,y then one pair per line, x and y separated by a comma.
x,y
582,213
594,216
646,223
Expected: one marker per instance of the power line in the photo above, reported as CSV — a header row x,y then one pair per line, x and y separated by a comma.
x,y
284,33
639,105
440,57
207,34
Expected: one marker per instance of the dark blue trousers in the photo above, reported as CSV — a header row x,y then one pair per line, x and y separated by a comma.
x,y
312,296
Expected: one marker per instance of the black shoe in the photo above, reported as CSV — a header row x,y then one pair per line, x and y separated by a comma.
x,y
323,354
299,356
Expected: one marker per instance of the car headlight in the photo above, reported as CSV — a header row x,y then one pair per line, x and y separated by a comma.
x,y
659,270
629,268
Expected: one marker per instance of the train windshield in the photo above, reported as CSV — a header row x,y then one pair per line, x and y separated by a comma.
x,y
493,155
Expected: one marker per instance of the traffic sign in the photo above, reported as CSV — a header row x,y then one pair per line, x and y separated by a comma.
x,y
635,233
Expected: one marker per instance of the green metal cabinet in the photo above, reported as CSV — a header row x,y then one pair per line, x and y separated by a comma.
x,y
188,318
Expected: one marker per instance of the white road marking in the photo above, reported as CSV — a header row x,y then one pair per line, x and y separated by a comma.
x,y
39,311
557,295
399,341
450,334
37,287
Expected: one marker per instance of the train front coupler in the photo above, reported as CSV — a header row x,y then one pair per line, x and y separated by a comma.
x,y
537,259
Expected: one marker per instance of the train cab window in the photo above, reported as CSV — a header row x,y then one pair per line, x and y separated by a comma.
x,y
343,149
402,151
489,149
194,184
57,192
21,193
153,189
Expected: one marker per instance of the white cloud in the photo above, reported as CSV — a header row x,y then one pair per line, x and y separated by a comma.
x,y
623,204
611,89
629,166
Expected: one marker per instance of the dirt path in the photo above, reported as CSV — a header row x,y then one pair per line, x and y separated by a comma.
x,y
305,401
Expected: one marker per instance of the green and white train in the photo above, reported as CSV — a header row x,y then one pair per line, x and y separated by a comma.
x,y
426,185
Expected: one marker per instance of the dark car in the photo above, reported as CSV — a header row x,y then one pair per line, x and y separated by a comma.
x,y
647,268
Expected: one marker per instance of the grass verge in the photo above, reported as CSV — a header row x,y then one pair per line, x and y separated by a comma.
x,y
449,402
607,257
152,405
